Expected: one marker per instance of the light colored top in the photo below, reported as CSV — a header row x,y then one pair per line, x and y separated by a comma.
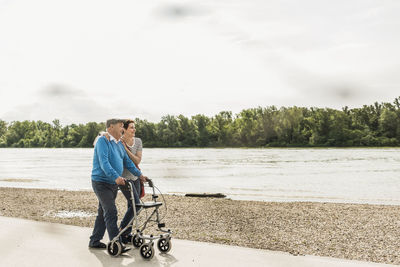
x,y
137,146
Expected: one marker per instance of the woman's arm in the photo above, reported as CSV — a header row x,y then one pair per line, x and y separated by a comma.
x,y
135,158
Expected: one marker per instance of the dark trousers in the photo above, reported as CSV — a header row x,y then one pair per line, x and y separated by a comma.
x,y
107,214
129,212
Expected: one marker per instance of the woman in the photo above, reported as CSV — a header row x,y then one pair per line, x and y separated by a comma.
x,y
133,147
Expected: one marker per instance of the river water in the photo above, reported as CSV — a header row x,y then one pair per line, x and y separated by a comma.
x,y
349,175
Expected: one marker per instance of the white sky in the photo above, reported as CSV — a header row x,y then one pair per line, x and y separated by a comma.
x,y
90,60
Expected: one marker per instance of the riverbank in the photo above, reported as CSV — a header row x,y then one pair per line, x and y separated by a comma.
x,y
350,231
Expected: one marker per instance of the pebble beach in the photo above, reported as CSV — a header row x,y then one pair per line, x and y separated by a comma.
x,y
349,231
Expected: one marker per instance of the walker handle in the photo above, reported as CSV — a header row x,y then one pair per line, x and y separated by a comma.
x,y
150,182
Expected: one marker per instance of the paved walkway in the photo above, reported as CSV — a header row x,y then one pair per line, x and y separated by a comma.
x,y
31,243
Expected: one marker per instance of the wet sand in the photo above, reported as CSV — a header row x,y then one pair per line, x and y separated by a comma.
x,y
350,231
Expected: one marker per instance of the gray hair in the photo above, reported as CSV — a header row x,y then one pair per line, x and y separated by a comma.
x,y
113,122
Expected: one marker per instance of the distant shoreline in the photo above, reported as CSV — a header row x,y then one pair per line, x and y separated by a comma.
x,y
376,124
351,231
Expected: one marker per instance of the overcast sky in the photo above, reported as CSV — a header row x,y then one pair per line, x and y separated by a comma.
x,y
90,60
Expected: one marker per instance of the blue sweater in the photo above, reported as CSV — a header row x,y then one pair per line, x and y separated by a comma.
x,y
109,160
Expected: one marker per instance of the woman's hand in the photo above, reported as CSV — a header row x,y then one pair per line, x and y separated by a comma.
x,y
106,135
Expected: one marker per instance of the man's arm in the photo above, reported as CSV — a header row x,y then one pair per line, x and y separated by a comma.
x,y
102,153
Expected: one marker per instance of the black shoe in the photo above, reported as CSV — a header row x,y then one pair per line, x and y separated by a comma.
x,y
125,249
99,245
126,239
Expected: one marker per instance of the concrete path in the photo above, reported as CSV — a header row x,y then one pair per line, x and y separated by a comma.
x,y
30,243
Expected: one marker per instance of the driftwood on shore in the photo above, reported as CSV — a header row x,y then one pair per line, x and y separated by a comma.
x,y
217,195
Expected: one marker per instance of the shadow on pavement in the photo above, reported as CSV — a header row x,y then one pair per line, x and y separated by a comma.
x,y
132,258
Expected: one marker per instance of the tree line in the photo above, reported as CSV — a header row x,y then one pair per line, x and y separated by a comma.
x,y
370,125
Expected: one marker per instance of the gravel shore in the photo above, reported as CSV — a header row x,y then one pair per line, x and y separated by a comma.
x,y
350,231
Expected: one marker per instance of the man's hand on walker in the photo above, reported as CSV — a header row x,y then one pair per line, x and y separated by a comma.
x,y
120,181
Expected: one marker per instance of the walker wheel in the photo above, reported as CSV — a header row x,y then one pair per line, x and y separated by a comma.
x,y
137,241
147,251
164,245
114,248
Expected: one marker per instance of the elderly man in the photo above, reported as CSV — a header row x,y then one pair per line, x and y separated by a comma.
x,y
109,161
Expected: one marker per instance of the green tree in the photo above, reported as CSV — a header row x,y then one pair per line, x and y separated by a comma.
x,y
168,131
203,136
289,125
321,124
147,131
3,131
266,126
89,133
20,134
370,125
74,135
220,129
389,123
188,133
